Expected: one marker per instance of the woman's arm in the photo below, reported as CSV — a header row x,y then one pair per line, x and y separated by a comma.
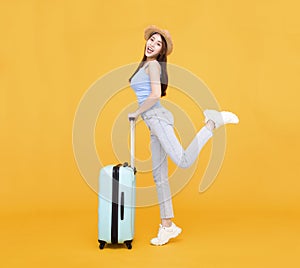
x,y
154,96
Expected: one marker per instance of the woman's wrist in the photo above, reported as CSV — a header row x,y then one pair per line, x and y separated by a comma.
x,y
136,114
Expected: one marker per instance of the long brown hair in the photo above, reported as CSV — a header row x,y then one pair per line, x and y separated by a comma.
x,y
162,59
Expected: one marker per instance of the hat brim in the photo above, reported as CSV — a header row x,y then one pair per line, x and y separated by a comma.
x,y
154,29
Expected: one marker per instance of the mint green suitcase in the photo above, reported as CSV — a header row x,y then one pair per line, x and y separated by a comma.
x,y
116,198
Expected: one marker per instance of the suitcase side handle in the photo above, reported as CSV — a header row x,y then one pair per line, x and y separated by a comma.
x,y
122,206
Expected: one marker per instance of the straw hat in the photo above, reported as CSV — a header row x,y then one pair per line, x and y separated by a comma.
x,y
154,29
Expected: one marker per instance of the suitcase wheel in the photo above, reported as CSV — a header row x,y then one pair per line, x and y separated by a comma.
x,y
128,244
102,244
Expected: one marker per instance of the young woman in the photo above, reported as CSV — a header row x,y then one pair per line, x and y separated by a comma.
x,y
150,82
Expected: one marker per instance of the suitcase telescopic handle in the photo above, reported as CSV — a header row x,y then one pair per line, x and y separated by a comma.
x,y
132,140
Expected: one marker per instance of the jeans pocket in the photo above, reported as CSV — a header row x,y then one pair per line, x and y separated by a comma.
x,y
167,117
155,116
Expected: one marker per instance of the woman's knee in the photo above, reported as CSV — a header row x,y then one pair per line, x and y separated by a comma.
x,y
184,164
182,161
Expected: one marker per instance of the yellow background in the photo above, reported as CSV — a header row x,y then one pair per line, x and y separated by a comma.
x,y
247,52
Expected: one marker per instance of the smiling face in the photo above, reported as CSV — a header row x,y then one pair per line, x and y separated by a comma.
x,y
153,46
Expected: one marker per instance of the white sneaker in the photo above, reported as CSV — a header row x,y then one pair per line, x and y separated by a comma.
x,y
221,118
165,234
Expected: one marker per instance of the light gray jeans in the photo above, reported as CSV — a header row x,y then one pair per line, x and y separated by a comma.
x,y
164,142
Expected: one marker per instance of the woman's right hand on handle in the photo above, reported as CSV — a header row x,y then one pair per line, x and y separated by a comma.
x,y
133,116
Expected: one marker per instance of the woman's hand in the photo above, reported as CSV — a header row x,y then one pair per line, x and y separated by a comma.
x,y
134,115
